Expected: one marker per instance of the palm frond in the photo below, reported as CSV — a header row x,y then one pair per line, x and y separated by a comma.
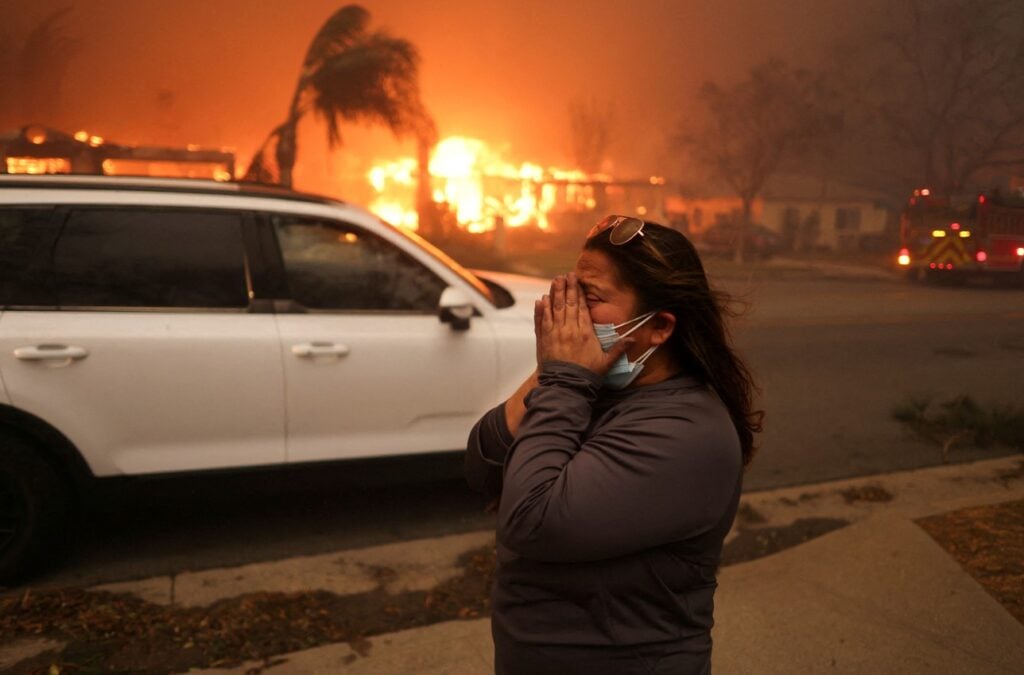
x,y
374,81
339,32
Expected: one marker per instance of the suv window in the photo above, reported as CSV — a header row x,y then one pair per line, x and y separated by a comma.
x,y
336,266
26,237
151,258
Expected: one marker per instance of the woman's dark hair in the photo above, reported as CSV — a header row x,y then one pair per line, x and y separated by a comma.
x,y
664,270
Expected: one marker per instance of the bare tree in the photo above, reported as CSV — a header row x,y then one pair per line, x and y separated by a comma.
x,y
590,131
776,116
941,86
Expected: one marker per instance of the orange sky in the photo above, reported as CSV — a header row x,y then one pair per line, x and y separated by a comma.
x,y
220,73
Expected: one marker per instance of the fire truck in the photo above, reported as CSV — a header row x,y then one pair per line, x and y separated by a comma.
x,y
943,238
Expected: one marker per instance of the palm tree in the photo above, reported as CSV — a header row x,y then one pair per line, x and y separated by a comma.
x,y
349,75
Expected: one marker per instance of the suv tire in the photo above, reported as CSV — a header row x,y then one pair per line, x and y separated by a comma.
x,y
33,508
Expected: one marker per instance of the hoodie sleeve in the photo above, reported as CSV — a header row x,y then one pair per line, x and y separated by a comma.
x,y
486,451
658,472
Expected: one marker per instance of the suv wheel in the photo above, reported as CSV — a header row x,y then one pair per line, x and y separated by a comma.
x,y
33,506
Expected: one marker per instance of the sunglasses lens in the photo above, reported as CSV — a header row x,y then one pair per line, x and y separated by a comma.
x,y
625,230
604,224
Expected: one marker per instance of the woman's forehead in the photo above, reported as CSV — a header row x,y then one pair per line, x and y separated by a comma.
x,y
596,268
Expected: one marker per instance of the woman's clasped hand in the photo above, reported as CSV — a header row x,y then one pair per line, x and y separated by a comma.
x,y
565,331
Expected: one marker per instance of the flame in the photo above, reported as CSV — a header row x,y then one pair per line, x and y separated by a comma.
x,y
38,165
479,187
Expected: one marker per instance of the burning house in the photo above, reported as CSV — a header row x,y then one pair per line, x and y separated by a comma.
x,y
38,150
475,189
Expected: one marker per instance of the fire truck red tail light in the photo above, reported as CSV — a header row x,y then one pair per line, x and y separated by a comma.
x,y
904,257
1020,251
981,256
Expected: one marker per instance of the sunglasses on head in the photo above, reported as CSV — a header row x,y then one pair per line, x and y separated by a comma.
x,y
623,229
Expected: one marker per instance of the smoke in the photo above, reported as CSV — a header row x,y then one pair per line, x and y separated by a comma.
x,y
221,73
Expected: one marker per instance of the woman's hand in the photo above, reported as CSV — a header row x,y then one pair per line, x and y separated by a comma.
x,y
565,332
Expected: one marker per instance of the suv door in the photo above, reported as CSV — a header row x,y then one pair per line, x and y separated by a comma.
x,y
147,358
370,369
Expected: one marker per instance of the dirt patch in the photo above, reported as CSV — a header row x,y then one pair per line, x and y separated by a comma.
x,y
804,497
754,543
748,515
1008,476
988,542
866,493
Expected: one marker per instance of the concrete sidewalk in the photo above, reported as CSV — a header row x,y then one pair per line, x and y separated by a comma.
x,y
878,595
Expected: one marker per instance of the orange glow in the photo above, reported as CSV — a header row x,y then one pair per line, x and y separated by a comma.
x,y
38,165
82,136
479,187
95,141
170,169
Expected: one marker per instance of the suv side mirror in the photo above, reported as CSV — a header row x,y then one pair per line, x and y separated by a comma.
x,y
455,308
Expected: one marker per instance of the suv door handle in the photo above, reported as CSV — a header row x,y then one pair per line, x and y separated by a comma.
x,y
314,349
50,352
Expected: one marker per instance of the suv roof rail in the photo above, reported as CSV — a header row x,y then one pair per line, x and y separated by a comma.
x,y
160,184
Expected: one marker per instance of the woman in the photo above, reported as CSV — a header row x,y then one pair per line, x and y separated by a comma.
x,y
618,463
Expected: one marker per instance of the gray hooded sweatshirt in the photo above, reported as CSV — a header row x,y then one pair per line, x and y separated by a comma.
x,y
613,509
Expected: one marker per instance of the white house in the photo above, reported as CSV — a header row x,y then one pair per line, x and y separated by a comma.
x,y
808,212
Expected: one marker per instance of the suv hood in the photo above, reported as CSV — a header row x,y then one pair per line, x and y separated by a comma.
x,y
523,288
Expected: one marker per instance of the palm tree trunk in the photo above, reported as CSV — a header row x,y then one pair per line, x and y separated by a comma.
x,y
286,151
287,143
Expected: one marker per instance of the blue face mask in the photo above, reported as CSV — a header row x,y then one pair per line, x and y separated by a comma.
x,y
623,372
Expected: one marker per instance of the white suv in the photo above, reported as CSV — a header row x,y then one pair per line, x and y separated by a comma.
x,y
154,326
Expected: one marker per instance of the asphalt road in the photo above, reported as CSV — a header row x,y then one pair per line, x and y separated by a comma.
x,y
833,358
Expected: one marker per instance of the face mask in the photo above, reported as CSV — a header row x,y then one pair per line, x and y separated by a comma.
x,y
622,372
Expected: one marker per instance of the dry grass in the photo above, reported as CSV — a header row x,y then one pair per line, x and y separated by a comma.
x,y
988,542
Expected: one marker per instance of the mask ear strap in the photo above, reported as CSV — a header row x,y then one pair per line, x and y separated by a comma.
x,y
644,318
646,355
